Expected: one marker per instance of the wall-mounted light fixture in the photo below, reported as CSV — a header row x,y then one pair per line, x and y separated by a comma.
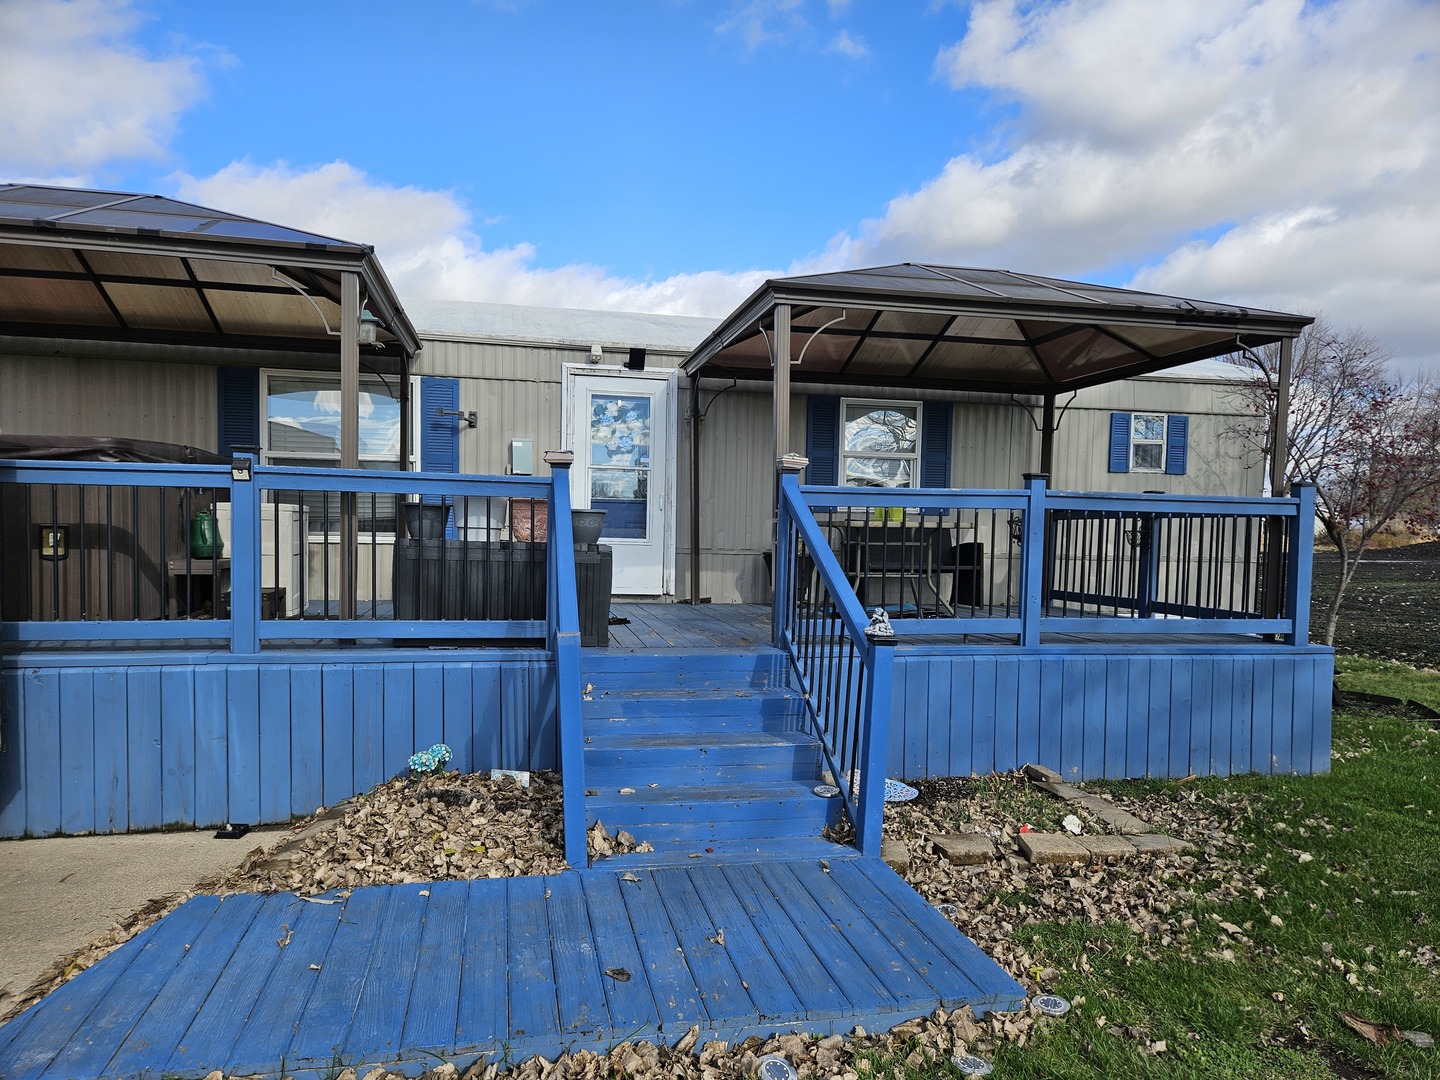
x,y
469,418
53,541
597,354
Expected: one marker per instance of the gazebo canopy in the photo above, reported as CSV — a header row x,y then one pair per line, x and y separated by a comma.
x,y
108,266
916,325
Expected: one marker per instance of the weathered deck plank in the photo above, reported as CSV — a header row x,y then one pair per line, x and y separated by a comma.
x,y
414,973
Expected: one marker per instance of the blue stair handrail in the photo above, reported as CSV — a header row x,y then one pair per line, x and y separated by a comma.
x,y
845,673
563,621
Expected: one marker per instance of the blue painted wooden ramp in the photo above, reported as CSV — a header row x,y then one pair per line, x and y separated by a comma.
x,y
409,974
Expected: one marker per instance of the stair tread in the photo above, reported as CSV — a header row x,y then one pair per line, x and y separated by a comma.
x,y
693,853
688,693
736,792
670,740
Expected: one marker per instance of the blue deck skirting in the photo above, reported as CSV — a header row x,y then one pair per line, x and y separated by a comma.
x,y
111,742
1112,711
414,974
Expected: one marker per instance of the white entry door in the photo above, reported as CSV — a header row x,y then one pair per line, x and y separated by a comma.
x,y
622,430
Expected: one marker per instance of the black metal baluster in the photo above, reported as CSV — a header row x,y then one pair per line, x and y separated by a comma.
x,y
55,564
110,554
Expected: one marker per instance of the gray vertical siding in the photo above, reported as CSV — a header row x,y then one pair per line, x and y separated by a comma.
x,y
1218,462
128,399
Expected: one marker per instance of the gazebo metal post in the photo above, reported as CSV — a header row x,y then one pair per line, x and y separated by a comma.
x,y
695,419
782,381
349,433
780,358
1047,436
1279,452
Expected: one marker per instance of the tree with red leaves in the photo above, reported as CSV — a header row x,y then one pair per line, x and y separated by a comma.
x,y
1369,441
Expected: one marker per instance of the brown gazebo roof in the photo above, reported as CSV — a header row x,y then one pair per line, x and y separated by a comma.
x,y
916,325
111,266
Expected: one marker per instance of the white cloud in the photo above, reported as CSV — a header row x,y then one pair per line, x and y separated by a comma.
x,y
76,95
425,242
846,45
759,22
1306,136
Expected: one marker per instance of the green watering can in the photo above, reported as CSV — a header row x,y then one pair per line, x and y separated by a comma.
x,y
205,542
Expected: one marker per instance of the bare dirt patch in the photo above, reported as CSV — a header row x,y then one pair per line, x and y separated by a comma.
x,y
1392,608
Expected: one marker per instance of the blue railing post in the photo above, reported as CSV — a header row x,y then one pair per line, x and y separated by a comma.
x,y
1032,561
564,634
244,556
789,469
1298,564
879,687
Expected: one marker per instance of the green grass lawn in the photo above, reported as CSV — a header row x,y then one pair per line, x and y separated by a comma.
x,y
1344,915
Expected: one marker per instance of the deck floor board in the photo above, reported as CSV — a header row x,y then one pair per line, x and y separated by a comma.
x,y
655,627
408,974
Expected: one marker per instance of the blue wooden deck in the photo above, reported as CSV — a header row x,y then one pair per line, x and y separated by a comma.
x,y
410,974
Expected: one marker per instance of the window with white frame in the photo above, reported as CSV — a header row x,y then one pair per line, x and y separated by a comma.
x,y
302,427
880,443
1147,442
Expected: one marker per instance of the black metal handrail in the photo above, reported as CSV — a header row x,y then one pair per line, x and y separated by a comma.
x,y
844,672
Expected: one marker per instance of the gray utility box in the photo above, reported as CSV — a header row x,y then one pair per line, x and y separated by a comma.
x,y
497,579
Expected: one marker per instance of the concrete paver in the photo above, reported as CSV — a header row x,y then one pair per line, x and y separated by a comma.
x,y
966,849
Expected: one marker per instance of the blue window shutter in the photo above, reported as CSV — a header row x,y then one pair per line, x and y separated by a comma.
x,y
1177,437
935,446
238,414
1119,442
822,440
440,435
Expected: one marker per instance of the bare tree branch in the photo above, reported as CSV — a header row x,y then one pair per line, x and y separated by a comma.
x,y
1369,441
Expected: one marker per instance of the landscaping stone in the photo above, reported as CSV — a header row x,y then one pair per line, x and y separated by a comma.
x,y
896,855
1158,844
966,849
1040,774
1122,821
1068,792
1104,848
1048,848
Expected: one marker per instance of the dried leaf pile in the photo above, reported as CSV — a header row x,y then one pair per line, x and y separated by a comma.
x,y
922,1044
451,826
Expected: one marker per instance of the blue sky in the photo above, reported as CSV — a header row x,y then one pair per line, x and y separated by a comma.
x,y
669,155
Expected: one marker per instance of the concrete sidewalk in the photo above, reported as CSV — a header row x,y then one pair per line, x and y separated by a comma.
x,y
58,895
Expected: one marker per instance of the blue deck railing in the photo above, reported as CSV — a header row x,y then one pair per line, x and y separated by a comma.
x,y
1020,564
126,552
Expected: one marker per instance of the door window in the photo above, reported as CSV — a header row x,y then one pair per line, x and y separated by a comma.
x,y
620,447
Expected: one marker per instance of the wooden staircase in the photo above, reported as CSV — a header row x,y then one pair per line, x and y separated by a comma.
x,y
704,755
